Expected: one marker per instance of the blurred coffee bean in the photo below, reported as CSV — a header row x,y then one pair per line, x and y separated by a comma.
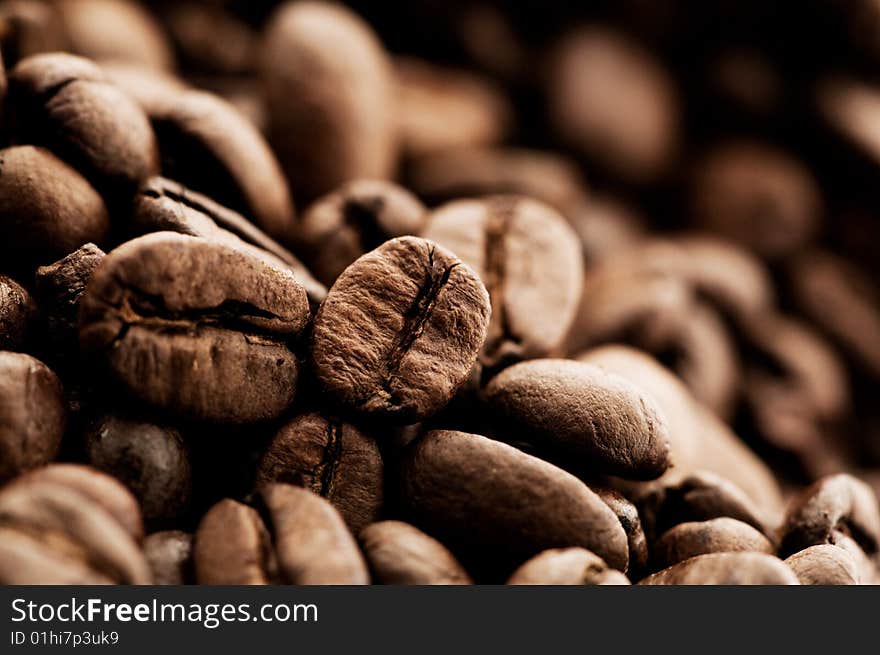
x,y
726,569
29,27
169,555
33,414
18,313
330,97
824,564
233,546
209,37
567,566
332,459
721,535
400,554
354,219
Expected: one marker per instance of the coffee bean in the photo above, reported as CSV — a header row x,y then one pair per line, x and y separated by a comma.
x,y
211,37
721,535
67,104
18,313
726,569
195,328
26,558
162,204
169,554
46,209
529,260
567,566
356,218
824,564
332,459
400,330
486,499
399,554
835,504
151,460
329,93
628,515
582,416
33,414
30,28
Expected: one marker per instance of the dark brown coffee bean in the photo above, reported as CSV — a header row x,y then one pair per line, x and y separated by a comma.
x,y
169,554
115,30
354,219
103,490
835,504
721,535
726,569
757,196
233,547
208,146
163,204
210,37
400,554
48,509
440,109
824,564
151,460
530,261
698,440
46,209
67,104
30,27
330,97
332,459
614,102
567,566
313,545
400,331
449,175
487,499
584,417
59,287
196,328
18,313
33,414
628,515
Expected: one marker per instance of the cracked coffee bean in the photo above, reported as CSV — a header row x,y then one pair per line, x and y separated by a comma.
x,y
400,331
530,261
195,328
567,566
332,459
401,554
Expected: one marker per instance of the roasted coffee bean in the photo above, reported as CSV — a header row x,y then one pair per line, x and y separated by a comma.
x,y
726,569
332,459
824,564
440,109
163,204
27,558
698,440
30,27
151,460
69,525
614,102
835,504
849,106
449,175
486,499
233,547
46,209
401,554
67,104
18,313
582,416
756,196
210,147
196,328
115,30
330,97
530,261
211,37
628,515
169,554
606,224
400,331
100,488
721,535
354,219
311,539
59,287
567,566
33,414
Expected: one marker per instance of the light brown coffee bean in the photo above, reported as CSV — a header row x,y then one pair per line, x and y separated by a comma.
x,y
169,554
721,535
567,566
726,569
232,547
824,564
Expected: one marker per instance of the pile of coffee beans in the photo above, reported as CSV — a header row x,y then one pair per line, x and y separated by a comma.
x,y
439,292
